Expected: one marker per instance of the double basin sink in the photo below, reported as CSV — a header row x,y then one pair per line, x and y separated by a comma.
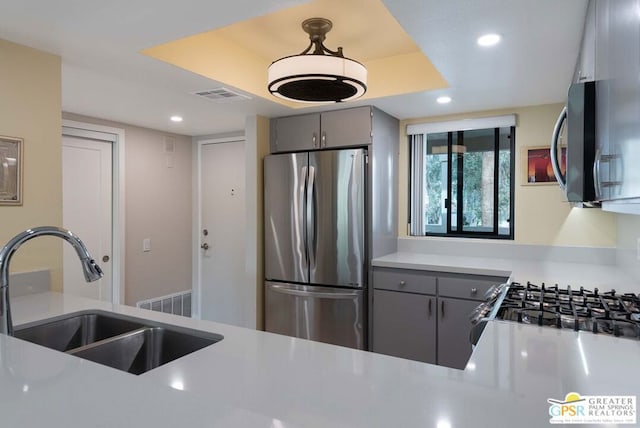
x,y
131,344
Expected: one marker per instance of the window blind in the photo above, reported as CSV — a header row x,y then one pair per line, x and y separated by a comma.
x,y
462,125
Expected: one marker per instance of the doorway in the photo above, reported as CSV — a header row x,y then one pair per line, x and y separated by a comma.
x,y
220,287
92,188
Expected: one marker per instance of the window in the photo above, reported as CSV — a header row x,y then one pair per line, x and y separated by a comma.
x,y
462,181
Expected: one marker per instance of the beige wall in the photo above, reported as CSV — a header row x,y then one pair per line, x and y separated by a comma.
x,y
541,215
258,145
30,97
157,206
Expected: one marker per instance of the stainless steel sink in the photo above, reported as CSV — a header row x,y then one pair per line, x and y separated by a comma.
x,y
126,343
75,330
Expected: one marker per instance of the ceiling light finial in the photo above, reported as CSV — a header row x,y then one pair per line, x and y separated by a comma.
x,y
317,74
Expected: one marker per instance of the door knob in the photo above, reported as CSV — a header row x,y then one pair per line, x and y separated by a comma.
x,y
204,246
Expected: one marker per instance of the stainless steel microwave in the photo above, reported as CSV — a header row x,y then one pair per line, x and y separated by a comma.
x,y
579,150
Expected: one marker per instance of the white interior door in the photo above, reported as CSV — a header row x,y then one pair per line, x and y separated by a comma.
x,y
223,290
87,212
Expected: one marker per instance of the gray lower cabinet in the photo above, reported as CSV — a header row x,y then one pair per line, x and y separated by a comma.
x,y
424,316
454,347
405,325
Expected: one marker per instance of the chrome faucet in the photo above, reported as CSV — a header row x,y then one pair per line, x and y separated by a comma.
x,y
92,271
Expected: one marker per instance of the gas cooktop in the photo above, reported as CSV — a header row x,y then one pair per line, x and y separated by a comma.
x,y
579,309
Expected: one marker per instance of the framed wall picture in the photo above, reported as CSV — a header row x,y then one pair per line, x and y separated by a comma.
x,y
11,170
536,165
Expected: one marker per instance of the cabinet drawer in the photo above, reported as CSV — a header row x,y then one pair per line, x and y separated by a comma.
x,y
467,287
410,281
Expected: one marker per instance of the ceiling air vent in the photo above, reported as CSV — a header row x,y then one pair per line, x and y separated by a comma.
x,y
220,94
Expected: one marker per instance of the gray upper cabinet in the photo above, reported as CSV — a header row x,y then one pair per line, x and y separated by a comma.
x,y
295,133
341,128
586,66
617,100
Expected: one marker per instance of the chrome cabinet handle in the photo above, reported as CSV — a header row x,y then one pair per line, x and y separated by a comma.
x,y
204,246
402,283
314,139
474,291
324,139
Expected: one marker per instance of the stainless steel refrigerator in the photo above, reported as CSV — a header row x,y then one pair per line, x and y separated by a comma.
x,y
315,245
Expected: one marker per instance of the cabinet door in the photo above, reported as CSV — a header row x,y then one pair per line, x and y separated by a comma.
x,y
404,325
343,128
624,110
618,99
586,66
454,326
295,133
603,98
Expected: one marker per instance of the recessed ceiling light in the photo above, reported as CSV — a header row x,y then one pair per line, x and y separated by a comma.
x,y
176,118
488,39
443,100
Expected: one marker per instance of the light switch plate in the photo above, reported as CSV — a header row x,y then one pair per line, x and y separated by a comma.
x,y
146,245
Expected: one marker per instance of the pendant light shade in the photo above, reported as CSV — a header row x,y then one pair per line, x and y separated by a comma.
x,y
318,76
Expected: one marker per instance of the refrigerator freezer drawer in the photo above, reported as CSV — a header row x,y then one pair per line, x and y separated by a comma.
x,y
323,314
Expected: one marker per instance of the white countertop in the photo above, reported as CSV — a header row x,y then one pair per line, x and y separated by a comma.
x,y
257,379
604,277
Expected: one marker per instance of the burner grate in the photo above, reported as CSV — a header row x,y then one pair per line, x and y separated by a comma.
x,y
579,309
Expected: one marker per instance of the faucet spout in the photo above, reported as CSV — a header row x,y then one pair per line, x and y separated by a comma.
x,y
91,270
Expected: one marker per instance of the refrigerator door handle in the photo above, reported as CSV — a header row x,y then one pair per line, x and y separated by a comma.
x,y
312,218
301,215
316,294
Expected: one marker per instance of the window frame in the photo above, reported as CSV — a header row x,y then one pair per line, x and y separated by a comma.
x,y
460,232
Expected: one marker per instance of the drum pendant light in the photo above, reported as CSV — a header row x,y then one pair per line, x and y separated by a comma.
x,y
317,74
